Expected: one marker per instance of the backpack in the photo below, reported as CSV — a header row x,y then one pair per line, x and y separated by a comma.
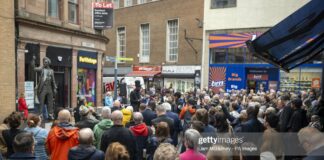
x,y
186,120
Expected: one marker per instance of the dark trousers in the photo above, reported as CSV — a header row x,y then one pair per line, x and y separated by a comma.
x,y
46,94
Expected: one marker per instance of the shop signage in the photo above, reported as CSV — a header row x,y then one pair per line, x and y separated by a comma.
x,y
316,83
217,78
87,59
235,78
103,15
87,44
147,68
29,94
263,77
180,69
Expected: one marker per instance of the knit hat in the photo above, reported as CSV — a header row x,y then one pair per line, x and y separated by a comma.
x,y
84,110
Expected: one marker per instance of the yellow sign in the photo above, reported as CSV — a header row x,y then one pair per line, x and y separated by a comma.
x,y
125,59
87,60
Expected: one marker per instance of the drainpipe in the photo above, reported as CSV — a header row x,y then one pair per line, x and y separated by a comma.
x,y
16,50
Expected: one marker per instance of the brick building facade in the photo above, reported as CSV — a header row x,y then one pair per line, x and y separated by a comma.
x,y
62,31
7,58
163,33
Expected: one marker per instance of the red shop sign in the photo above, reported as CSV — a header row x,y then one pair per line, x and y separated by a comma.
x,y
263,77
147,68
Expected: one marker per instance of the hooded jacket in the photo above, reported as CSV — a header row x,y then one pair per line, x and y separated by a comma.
x,y
99,129
85,152
60,139
127,115
141,133
140,130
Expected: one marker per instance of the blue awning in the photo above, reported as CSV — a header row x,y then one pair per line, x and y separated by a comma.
x,y
295,40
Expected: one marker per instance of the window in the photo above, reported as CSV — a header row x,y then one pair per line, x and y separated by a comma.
x,y
121,42
217,55
222,4
53,8
128,3
235,55
141,1
172,41
73,11
145,43
116,4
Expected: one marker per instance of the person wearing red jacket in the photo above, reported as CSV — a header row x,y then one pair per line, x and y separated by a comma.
x,y
22,106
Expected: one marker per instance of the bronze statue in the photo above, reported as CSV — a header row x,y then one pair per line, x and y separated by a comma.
x,y
46,87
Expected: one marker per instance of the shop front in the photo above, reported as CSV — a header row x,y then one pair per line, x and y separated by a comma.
x,y
61,63
151,75
305,77
180,78
259,77
87,76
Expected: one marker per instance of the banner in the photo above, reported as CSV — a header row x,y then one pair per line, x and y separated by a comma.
x,y
103,15
217,78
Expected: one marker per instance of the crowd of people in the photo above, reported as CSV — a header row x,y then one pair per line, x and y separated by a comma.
x,y
168,125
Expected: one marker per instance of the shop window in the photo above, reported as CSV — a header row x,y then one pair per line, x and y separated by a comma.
x,y
73,11
87,85
217,55
222,4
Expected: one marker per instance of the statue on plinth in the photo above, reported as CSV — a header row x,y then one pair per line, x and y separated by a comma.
x,y
46,87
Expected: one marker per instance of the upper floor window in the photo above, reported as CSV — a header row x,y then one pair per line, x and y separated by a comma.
x,y
73,11
116,4
141,1
121,42
53,8
128,3
145,43
172,41
222,4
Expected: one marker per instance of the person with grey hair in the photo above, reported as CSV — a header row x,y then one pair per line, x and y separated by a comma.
x,y
191,138
176,120
162,117
141,132
103,125
62,137
118,133
85,150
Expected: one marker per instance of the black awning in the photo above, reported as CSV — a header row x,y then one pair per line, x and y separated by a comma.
x,y
295,40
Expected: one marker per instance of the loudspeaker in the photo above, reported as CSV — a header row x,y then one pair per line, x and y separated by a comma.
x,y
122,89
137,83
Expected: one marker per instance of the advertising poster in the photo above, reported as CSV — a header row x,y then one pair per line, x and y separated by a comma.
x,y
234,78
316,83
217,78
29,94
